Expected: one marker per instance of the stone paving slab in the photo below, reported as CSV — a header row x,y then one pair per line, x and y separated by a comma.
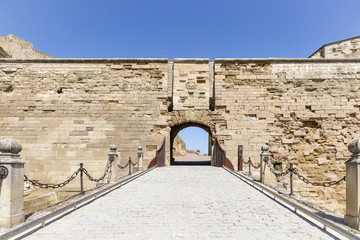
x,y
183,202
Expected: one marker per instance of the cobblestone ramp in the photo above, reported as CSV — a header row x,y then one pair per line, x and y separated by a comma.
x,y
183,202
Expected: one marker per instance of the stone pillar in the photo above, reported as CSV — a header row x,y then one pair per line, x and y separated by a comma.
x,y
114,156
139,165
264,157
11,183
265,175
352,217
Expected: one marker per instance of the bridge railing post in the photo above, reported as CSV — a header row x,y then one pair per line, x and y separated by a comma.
x,y
139,165
82,179
250,166
113,156
129,164
291,168
352,217
264,157
265,175
11,183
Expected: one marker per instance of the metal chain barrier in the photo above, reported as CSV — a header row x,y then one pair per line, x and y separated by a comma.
x,y
323,184
135,163
276,173
302,178
129,164
107,170
45,185
254,166
73,176
125,166
294,171
251,163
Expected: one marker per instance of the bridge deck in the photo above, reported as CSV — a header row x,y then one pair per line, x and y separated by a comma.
x,y
183,202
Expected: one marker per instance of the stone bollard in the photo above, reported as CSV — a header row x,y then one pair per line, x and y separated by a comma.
x,y
11,183
265,174
114,156
352,217
139,165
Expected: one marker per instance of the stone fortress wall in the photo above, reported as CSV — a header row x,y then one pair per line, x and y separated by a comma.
x,y
347,48
14,47
67,111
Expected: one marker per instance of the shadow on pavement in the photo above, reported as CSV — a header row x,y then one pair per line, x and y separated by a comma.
x,y
192,163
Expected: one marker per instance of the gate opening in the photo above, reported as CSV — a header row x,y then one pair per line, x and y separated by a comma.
x,y
190,144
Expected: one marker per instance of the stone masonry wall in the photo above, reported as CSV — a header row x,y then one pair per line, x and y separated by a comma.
x,y
15,47
307,112
67,111
349,48
191,88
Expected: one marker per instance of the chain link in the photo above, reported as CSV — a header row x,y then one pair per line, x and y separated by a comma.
x,y
252,163
73,176
127,164
277,174
135,163
256,167
107,170
302,178
323,184
45,185
122,167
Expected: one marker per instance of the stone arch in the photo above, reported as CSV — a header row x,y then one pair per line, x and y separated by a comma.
x,y
202,118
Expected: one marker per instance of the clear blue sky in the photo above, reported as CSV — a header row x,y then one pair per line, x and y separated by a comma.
x,y
195,138
180,29
176,29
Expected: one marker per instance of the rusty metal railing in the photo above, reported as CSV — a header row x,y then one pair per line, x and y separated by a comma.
x,y
159,159
219,156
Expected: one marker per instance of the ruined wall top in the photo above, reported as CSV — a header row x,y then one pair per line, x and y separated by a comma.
x,y
347,48
15,47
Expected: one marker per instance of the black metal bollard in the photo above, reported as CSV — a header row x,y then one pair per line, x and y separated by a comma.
x,y
130,166
81,179
291,179
250,166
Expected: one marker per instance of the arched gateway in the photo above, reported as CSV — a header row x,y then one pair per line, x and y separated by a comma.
x,y
177,128
218,154
202,118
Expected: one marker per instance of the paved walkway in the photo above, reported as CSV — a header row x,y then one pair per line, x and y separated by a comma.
x,y
183,202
